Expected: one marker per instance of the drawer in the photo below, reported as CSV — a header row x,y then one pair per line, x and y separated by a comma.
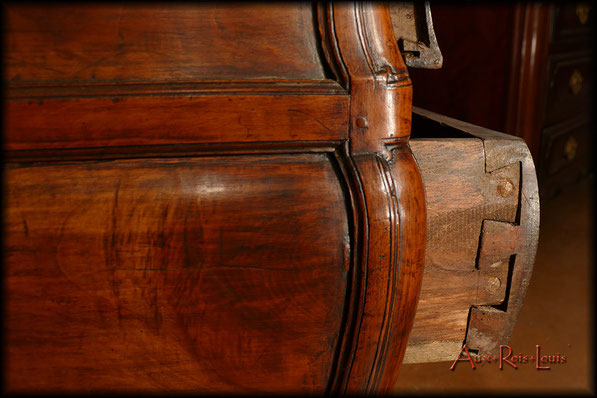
x,y
566,147
156,273
572,20
570,87
474,180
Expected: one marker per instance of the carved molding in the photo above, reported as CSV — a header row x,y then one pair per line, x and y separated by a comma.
x,y
388,200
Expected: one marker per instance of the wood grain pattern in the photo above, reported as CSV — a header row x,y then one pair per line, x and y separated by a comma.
x,y
459,196
149,120
483,218
502,240
493,72
268,235
61,44
390,204
207,274
412,212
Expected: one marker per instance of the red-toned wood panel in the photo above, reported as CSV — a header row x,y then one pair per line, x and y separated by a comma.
x,y
159,120
162,42
210,274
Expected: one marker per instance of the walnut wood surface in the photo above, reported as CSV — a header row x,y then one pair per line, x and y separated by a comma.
x,y
147,120
390,201
162,42
526,86
271,149
175,275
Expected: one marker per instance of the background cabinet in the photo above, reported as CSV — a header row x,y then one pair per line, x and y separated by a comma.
x,y
523,69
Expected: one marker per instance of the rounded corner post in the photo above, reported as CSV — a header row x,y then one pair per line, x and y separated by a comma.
x,y
393,215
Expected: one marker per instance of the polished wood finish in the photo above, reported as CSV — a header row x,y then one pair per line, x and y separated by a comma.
x,y
99,43
209,199
169,120
248,222
526,85
391,191
175,275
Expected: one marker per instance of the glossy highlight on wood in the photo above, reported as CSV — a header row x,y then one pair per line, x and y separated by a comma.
x,y
159,274
391,213
161,42
251,221
147,120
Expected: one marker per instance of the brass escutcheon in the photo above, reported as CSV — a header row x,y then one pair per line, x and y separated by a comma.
x,y
575,82
570,148
582,11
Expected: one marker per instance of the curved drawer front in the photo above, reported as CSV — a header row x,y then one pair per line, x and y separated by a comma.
x,y
216,273
209,198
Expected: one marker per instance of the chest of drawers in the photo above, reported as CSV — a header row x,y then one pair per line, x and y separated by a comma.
x,y
224,199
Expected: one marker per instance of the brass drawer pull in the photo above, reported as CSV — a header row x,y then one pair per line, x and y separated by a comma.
x,y
582,11
570,148
575,82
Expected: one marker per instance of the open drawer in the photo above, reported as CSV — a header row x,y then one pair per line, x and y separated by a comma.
x,y
482,232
